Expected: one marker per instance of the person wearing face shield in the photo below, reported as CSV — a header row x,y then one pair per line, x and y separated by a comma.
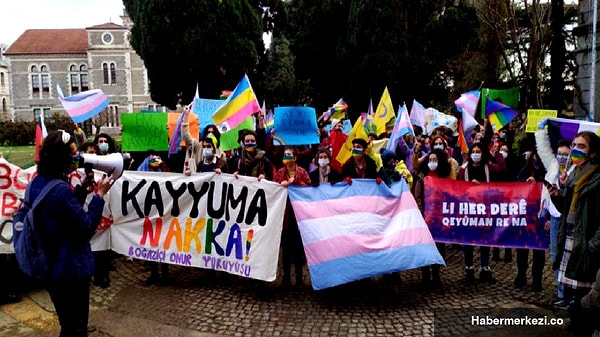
x,y
478,169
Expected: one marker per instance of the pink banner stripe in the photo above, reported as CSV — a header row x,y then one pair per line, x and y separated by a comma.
x,y
387,207
349,245
76,109
82,100
246,111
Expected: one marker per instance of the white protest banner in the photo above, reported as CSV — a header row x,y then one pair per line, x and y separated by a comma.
x,y
206,220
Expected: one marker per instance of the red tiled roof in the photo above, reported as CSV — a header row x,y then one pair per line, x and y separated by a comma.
x,y
50,41
108,25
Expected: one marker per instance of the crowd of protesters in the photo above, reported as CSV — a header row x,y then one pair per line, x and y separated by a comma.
x,y
493,156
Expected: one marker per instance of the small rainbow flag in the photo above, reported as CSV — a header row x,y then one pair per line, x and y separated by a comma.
x,y
241,104
499,114
84,105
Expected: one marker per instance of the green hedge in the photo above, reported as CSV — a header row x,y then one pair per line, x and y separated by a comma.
x,y
22,133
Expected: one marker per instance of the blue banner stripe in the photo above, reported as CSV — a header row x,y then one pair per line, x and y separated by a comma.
x,y
347,269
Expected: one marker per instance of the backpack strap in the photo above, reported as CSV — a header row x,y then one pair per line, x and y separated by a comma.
x,y
49,186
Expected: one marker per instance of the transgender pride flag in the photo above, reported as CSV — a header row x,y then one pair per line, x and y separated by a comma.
x,y
351,232
402,127
84,105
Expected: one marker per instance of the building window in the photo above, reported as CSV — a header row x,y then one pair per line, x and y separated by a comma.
x,y
85,85
79,78
2,80
38,111
4,105
113,115
110,77
113,76
35,84
105,72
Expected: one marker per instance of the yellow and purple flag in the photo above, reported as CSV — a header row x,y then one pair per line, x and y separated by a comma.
x,y
384,112
241,104
84,105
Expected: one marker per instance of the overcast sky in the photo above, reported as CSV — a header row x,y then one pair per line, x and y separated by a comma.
x,y
20,15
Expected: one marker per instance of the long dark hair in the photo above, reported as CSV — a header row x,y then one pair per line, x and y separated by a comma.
x,y
112,148
443,169
55,155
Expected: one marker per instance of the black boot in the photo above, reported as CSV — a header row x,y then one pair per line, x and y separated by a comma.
x,y
485,276
496,254
469,275
299,280
425,277
520,281
436,281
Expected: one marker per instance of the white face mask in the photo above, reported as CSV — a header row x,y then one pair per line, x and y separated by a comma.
x,y
432,165
207,153
476,157
323,162
438,147
504,154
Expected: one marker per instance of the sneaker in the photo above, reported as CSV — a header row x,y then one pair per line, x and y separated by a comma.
x,y
557,300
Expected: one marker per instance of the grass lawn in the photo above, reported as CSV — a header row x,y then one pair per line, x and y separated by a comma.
x,y
22,156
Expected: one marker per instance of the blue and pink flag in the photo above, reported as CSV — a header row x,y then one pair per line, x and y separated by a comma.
x,y
417,114
351,232
402,127
84,105
467,102
238,106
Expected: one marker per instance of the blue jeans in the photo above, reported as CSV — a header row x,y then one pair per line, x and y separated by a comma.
x,y
554,222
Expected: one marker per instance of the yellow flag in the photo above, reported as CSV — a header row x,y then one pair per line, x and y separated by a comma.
x,y
358,131
384,112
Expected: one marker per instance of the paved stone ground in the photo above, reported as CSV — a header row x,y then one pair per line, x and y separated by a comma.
x,y
198,303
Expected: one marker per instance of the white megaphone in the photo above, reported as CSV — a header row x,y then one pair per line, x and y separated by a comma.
x,y
112,164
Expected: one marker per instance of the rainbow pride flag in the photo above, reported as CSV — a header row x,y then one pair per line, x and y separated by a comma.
x,y
351,232
499,114
241,104
84,105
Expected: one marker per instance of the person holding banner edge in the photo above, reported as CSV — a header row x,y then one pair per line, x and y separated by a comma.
x,y
292,249
435,164
477,169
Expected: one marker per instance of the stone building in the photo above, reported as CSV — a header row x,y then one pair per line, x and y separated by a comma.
x,y
97,57
5,111
586,100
